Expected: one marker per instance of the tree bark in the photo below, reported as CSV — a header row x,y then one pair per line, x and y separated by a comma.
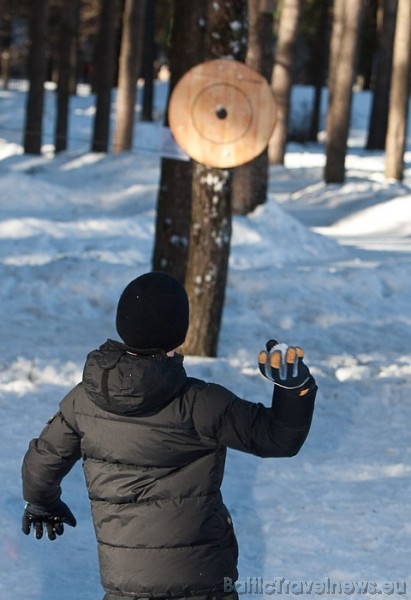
x,y
377,131
149,56
5,42
130,66
400,89
344,41
210,238
174,199
210,231
321,53
37,65
67,61
282,77
104,75
250,181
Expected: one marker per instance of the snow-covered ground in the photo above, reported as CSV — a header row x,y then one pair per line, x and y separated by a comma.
x,y
324,266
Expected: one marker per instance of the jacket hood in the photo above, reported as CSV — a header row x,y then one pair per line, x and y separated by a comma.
x,y
122,382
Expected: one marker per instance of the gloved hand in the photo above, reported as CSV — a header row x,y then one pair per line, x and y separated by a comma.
x,y
284,366
52,519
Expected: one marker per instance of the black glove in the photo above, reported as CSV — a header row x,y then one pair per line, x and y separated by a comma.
x,y
284,366
52,519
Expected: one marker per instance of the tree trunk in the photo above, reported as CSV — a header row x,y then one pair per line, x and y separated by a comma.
x,y
67,64
344,41
210,231
174,198
250,181
367,45
37,65
208,258
321,45
149,56
5,42
104,74
130,66
377,131
282,77
400,89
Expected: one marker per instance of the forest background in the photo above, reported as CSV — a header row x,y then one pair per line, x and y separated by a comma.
x,y
112,44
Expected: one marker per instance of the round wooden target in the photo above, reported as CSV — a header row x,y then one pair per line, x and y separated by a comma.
x,y
222,113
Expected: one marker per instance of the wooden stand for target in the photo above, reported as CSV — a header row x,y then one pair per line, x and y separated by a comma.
x,y
222,113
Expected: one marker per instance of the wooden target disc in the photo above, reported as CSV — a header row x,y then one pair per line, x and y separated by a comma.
x,y
222,113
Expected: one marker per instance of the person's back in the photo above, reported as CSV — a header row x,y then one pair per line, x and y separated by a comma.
x,y
153,442
153,482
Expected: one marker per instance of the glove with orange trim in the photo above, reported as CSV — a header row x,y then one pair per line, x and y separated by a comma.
x,y
284,366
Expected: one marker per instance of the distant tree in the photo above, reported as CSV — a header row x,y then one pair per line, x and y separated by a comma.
x,y
377,130
37,65
282,76
130,66
88,29
104,66
6,21
250,181
399,96
210,230
164,10
174,197
320,40
67,65
149,57
367,44
345,31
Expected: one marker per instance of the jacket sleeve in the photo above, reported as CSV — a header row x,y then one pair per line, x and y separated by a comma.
x,y
278,431
49,458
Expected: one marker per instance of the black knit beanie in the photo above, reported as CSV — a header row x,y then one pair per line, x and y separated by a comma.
x,y
153,313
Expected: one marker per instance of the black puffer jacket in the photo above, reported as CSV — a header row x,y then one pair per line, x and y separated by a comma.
x,y
153,442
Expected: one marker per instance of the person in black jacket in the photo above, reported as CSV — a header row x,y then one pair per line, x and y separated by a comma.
x,y
153,443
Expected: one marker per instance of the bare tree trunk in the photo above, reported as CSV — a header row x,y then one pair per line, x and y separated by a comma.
x,y
67,64
321,54
367,44
37,74
174,199
210,231
377,131
130,65
400,89
5,42
344,41
208,258
149,56
250,181
104,74
282,77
